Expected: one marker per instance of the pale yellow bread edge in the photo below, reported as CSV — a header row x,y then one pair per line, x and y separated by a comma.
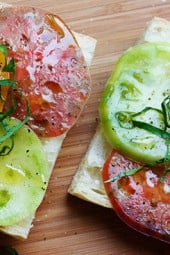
x,y
51,146
87,183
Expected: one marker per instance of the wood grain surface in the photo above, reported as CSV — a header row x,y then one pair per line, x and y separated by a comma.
x,y
65,225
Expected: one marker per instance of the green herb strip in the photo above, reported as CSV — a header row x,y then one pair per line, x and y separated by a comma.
x,y
10,131
126,120
124,174
166,110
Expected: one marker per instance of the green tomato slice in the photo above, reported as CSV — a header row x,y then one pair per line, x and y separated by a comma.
x,y
137,87
23,176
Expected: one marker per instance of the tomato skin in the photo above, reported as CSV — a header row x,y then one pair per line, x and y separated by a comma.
x,y
51,70
139,200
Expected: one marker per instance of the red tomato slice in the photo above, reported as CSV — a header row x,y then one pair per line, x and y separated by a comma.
x,y
140,200
50,68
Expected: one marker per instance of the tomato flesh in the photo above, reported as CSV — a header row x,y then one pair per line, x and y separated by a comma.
x,y
140,200
50,69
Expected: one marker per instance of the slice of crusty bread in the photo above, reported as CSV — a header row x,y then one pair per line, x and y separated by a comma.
x,y
51,146
87,183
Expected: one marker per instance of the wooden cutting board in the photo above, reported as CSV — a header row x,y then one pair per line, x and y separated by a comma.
x,y
65,225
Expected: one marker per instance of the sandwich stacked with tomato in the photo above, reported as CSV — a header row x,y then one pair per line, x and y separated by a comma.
x,y
44,84
127,165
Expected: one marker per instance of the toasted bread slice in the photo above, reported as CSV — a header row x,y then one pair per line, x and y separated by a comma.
x,y
51,146
87,183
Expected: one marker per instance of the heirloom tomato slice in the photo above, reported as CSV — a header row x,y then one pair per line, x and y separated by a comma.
x,y
141,200
131,106
51,71
24,175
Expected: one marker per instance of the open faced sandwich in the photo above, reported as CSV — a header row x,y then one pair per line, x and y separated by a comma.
x,y
44,85
127,165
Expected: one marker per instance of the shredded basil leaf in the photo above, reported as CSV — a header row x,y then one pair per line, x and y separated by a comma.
x,y
166,110
9,131
127,120
7,82
124,174
10,67
152,129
